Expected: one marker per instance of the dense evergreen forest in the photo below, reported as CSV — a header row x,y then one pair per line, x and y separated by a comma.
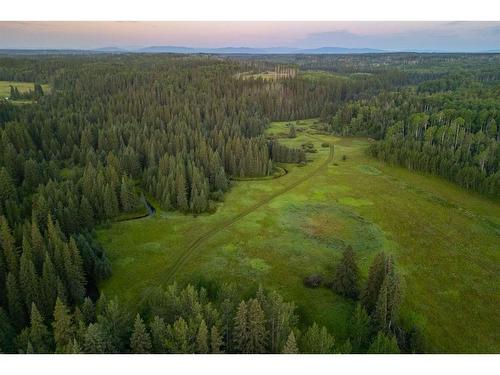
x,y
176,128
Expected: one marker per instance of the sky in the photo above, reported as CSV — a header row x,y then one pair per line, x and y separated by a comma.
x,y
443,36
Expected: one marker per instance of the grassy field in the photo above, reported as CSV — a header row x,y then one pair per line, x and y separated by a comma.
x,y
21,86
315,75
266,76
319,75
276,232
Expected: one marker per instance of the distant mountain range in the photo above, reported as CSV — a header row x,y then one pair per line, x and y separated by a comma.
x,y
258,51
226,50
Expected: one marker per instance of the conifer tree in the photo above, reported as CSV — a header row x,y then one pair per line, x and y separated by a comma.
x,y
178,337
12,95
228,297
317,340
158,331
63,328
7,187
376,276
346,275
75,277
14,302
290,345
29,348
221,180
359,329
215,340
140,341
88,311
345,348
38,333
386,311
202,338
75,347
49,286
110,202
3,280
127,197
7,333
280,318
38,91
28,279
241,328
256,327
115,324
8,245
86,213
383,344
94,339
182,203
37,245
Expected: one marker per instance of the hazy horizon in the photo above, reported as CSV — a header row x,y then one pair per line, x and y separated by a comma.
x,y
390,36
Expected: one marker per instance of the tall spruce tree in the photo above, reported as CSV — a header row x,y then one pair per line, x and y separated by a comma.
x,y
63,328
387,308
7,187
28,279
256,327
346,278
290,345
140,341
158,330
202,338
49,286
94,339
383,344
14,301
8,245
215,340
317,340
241,329
376,275
359,329
39,335
178,338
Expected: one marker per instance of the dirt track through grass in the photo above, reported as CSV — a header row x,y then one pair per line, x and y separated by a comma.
x,y
190,250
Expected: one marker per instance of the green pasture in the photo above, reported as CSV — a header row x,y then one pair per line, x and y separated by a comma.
x,y
445,241
21,86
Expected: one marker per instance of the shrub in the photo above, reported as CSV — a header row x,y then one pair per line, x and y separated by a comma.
x,y
308,147
217,196
313,281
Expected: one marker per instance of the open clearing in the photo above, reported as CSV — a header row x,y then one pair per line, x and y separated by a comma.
x,y
446,242
21,86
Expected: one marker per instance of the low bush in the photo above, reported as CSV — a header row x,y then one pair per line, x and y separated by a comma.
x,y
313,281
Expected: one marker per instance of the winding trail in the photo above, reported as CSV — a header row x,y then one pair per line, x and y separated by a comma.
x,y
191,249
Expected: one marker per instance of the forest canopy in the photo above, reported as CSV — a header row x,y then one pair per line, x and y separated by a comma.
x,y
116,128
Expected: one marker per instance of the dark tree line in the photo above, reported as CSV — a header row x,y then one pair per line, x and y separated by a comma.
x,y
284,154
184,321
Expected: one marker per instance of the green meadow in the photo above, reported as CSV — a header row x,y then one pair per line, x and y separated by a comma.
x,y
275,232
21,86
